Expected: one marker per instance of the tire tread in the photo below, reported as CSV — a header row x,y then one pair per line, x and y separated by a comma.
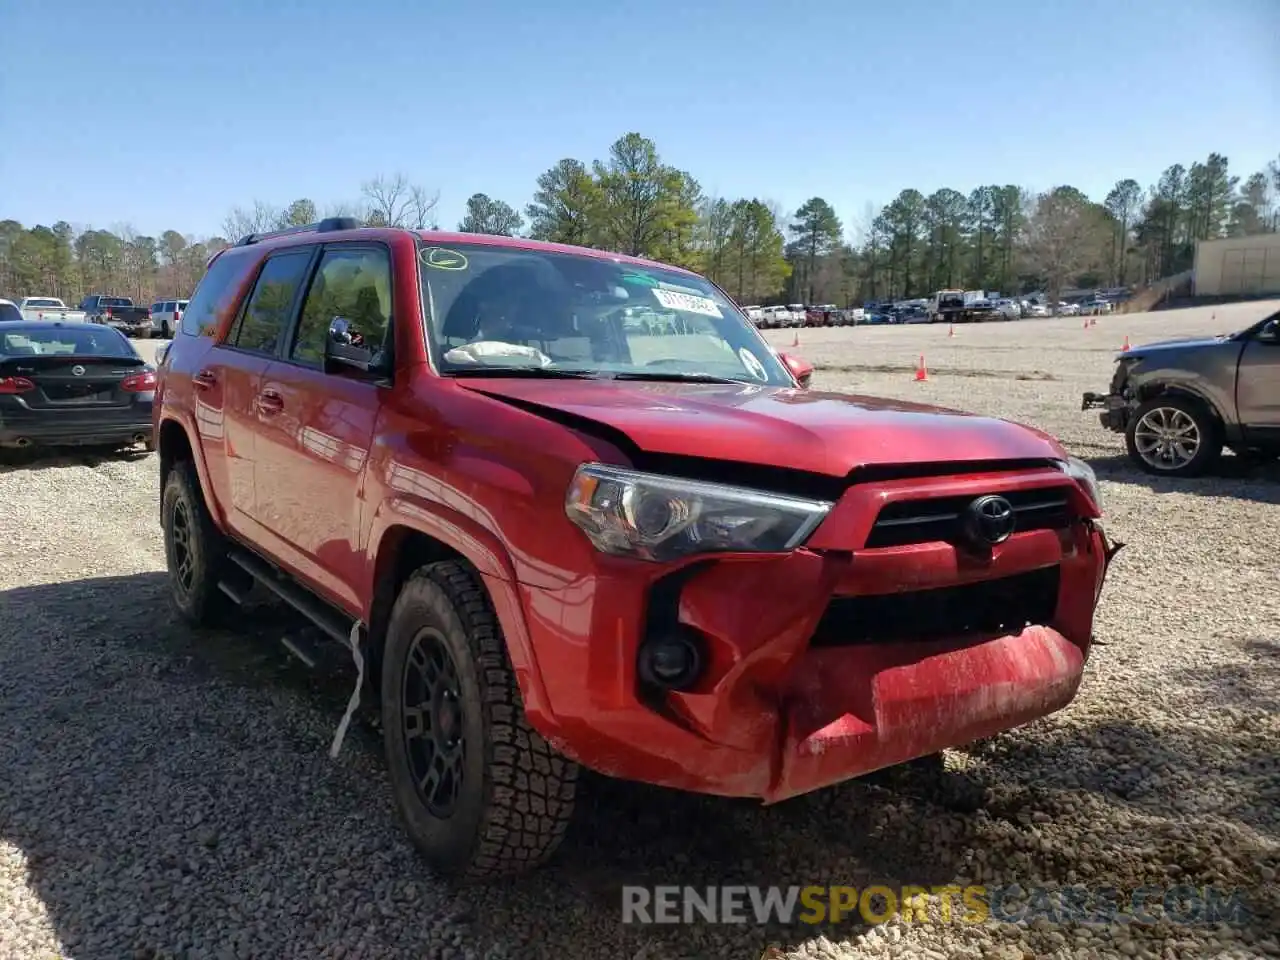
x,y
530,788
210,605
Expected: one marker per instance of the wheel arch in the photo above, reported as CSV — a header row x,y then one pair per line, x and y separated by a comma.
x,y
404,546
1162,388
174,447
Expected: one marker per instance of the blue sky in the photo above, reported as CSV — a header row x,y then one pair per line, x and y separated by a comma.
x,y
166,114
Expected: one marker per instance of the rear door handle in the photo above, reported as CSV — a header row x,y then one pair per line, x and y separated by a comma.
x,y
204,380
270,402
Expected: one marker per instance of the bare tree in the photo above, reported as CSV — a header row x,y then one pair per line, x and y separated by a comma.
x,y
394,202
342,208
259,218
422,208
1066,236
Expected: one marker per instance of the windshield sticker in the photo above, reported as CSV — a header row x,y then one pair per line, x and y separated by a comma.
x,y
687,302
676,288
753,364
640,279
442,259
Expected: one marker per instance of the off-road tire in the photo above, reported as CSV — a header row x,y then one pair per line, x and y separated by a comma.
x,y
517,794
202,604
1211,440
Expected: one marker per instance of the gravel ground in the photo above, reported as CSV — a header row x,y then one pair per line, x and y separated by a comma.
x,y
165,793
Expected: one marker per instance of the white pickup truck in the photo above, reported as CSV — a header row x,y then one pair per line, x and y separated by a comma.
x,y
48,308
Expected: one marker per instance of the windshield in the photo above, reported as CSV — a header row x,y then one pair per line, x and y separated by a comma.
x,y
10,313
495,307
52,341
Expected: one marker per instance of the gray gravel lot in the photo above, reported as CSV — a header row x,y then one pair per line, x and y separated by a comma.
x,y
165,793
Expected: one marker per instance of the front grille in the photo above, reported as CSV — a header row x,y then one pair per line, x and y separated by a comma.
x,y
1004,605
938,519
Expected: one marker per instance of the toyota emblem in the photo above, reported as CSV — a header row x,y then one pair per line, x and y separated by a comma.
x,y
989,520
77,370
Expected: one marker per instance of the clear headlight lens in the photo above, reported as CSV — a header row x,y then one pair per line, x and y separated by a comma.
x,y
1083,474
652,517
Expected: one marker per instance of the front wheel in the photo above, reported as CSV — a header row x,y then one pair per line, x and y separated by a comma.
x,y
481,793
1173,436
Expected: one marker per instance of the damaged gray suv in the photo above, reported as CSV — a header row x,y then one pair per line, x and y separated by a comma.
x,y
1179,403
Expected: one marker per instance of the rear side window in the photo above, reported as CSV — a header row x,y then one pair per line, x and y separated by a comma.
x,y
266,315
9,313
215,295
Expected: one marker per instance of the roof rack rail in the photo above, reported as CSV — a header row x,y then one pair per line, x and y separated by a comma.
x,y
327,225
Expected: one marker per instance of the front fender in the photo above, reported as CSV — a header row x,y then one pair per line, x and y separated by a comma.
x,y
486,553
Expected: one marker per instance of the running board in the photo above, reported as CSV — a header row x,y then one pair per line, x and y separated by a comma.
x,y
332,623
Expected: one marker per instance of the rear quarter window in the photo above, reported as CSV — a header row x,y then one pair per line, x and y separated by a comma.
x,y
215,295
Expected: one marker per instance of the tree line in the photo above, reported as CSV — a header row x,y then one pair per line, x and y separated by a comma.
x,y
995,237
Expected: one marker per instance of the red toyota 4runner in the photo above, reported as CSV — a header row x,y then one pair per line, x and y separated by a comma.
x,y
571,508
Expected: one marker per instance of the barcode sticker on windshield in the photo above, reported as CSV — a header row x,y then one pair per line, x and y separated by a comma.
x,y
687,302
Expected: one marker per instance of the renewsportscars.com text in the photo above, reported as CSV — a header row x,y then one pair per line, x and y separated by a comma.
x,y
1179,905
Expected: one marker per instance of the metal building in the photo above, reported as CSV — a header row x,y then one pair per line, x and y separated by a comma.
x,y
1238,266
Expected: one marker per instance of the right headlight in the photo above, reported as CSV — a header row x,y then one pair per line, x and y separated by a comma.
x,y
652,517
1083,474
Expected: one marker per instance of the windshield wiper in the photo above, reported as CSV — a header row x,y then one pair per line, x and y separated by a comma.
x,y
551,373
672,377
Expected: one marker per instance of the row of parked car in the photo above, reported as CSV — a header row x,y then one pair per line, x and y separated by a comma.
x,y
161,319
913,311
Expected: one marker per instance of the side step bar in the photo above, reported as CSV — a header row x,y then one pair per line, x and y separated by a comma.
x,y
331,622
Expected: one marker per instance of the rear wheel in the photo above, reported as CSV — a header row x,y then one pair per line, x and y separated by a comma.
x,y
195,551
1173,436
481,793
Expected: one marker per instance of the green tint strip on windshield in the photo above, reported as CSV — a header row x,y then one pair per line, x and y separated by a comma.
x,y
639,279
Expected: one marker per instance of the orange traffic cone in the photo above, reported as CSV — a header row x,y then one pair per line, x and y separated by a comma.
x,y
951,330
1125,348
795,339
1085,325
922,372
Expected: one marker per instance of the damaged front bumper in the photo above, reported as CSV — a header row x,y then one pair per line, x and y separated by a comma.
x,y
826,663
1114,406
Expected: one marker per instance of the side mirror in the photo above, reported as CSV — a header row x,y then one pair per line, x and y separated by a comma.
x,y
802,370
344,348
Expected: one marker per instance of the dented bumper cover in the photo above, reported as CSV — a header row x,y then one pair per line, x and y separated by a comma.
x,y
814,674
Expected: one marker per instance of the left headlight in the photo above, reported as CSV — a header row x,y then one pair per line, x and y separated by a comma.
x,y
651,517
1083,474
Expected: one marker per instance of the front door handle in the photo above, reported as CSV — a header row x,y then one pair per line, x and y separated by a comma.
x,y
270,402
204,380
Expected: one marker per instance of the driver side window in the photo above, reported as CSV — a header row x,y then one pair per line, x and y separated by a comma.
x,y
351,284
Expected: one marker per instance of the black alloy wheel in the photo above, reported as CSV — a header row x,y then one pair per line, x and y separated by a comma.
x,y
434,723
